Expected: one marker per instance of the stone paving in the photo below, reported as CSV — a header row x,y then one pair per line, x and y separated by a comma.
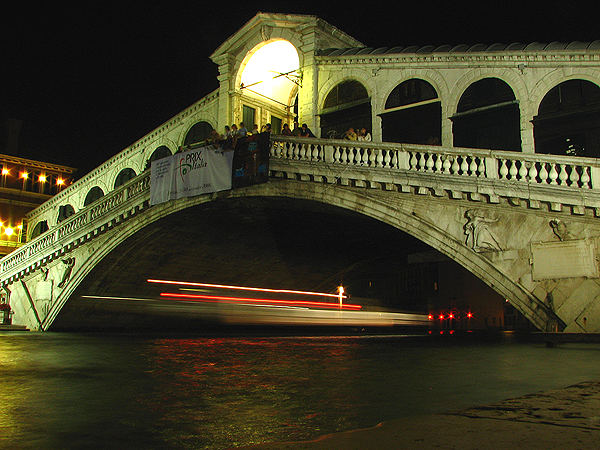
x,y
567,418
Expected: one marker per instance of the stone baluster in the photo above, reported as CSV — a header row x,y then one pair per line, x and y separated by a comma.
x,y
588,179
481,168
523,172
446,164
512,171
455,165
413,161
503,169
473,166
574,177
387,159
328,153
464,166
553,175
437,163
399,160
532,173
543,173
430,162
373,158
563,176
421,162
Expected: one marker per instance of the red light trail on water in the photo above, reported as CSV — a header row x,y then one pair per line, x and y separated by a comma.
x,y
244,288
259,301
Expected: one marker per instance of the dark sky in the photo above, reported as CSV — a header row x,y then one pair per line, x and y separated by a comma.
x,y
88,80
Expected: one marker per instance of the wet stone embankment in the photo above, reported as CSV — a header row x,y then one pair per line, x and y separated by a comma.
x,y
556,419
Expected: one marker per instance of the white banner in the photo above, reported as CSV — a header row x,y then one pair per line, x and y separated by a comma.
x,y
194,172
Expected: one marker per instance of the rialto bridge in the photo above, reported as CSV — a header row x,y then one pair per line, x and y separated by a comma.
x,y
486,153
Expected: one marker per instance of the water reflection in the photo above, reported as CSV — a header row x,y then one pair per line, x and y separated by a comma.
x,y
183,392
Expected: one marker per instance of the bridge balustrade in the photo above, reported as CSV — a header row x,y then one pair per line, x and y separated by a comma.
x,y
582,173
369,161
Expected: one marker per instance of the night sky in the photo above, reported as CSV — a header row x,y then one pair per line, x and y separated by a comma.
x,y
88,80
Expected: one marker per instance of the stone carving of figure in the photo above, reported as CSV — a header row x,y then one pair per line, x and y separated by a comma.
x,y
559,228
70,263
479,236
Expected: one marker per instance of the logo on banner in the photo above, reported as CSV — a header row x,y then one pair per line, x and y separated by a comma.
x,y
191,161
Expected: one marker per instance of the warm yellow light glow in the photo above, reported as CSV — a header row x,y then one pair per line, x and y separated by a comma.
x,y
264,71
5,171
20,226
60,181
8,231
42,178
24,175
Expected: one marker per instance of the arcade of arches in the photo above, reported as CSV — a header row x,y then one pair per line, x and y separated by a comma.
x,y
487,116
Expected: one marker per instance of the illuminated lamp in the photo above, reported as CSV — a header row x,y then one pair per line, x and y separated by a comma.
x,y
5,171
430,317
272,71
42,178
60,181
8,231
24,175
450,316
441,317
469,315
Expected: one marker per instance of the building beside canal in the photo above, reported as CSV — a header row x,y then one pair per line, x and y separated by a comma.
x,y
484,151
24,185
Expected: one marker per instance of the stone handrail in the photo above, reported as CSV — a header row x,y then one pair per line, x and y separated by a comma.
x,y
81,224
580,173
573,174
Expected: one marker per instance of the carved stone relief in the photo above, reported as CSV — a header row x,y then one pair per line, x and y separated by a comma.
x,y
480,237
559,228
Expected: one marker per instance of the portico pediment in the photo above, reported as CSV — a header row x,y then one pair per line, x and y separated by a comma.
x,y
301,30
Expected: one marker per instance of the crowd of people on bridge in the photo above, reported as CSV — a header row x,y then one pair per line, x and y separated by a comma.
x,y
352,134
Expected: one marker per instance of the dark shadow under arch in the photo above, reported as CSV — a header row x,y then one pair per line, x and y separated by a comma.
x,y
568,120
124,176
487,117
413,114
93,194
347,105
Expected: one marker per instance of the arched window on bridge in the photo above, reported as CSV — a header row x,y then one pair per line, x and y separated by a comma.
x,y
487,117
94,194
124,176
40,228
161,152
347,105
65,211
413,114
568,120
198,133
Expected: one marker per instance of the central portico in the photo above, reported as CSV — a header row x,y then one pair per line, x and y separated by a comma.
x,y
268,69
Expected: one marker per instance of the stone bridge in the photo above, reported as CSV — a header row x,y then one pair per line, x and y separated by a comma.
x,y
525,224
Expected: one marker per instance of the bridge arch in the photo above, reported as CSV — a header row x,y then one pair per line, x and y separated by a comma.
x,y
568,119
123,177
197,132
348,199
487,116
39,228
93,194
65,211
413,113
346,104
159,152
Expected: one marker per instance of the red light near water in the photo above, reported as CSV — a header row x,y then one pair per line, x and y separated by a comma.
x,y
260,301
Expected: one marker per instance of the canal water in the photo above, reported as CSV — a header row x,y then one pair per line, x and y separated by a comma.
x,y
61,390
